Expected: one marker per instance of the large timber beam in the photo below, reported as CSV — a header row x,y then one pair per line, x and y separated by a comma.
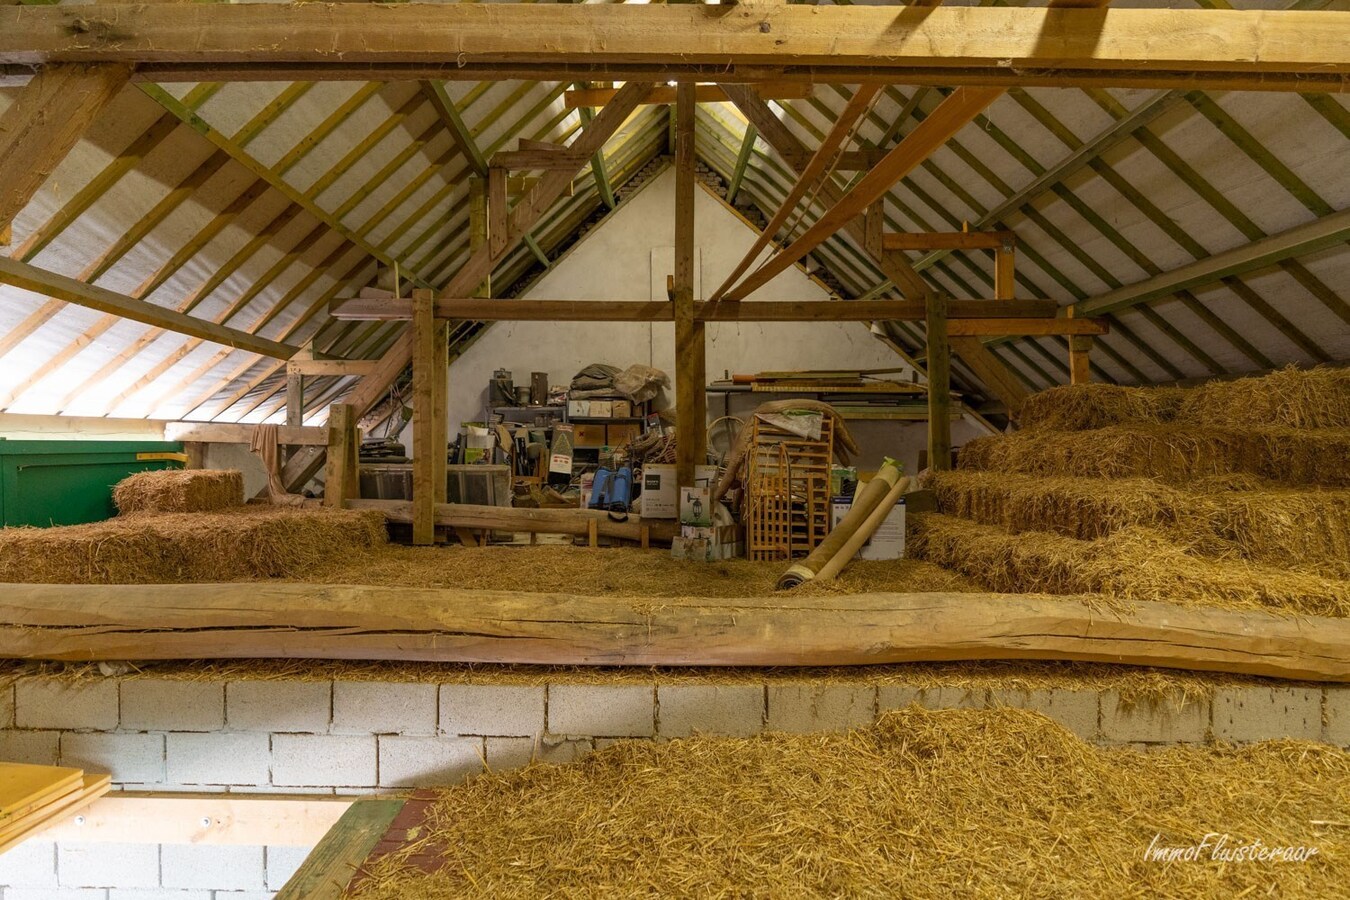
x,y
1031,314
49,284
43,124
691,352
299,621
581,98
1283,50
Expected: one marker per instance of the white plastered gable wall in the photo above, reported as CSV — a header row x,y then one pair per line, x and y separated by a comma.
x,y
628,258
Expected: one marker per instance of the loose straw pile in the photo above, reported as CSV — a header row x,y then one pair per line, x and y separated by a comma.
x,y
954,803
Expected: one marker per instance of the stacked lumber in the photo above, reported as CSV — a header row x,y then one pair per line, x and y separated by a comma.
x,y
32,797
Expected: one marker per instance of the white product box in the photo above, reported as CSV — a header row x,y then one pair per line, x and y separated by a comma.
x,y
888,542
660,497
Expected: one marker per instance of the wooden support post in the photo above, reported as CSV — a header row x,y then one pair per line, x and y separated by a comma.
x,y
939,385
295,398
340,480
691,399
1080,351
1004,285
480,221
874,223
428,423
497,210
593,534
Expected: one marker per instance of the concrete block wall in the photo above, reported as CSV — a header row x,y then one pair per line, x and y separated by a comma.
x,y
348,737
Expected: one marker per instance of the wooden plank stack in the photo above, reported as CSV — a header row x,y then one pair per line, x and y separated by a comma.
x,y
32,797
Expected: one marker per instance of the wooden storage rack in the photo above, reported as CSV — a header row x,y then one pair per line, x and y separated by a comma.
x,y
787,506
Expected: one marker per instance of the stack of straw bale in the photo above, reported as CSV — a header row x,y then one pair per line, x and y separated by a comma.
x,y
179,491
1234,493
242,544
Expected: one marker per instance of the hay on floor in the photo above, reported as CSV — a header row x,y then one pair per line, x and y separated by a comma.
x,y
1174,453
1079,407
180,491
1292,398
1131,564
953,803
243,544
1303,530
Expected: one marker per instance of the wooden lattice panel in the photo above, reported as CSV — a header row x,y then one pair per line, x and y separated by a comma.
x,y
787,491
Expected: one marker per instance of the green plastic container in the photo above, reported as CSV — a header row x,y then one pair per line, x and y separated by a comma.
x,y
70,482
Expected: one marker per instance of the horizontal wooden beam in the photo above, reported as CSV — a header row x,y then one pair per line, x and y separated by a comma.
x,y
49,284
948,240
540,521
537,160
374,309
315,621
1277,50
1025,327
703,93
332,367
128,817
235,433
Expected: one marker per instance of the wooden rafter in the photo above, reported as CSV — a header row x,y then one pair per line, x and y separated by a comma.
x,y
1287,50
44,122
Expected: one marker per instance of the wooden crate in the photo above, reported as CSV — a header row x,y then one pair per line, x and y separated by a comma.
x,y
787,508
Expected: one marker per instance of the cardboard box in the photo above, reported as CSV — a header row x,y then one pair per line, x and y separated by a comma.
x,y
621,409
660,497
888,542
602,409
587,485
696,506
620,435
590,435
578,408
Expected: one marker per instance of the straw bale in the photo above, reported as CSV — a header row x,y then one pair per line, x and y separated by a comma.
x,y
1291,397
1131,564
1079,407
1303,530
1174,453
246,543
180,491
948,803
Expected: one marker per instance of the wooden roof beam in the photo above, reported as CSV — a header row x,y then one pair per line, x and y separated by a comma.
x,y
49,284
44,123
582,98
1282,50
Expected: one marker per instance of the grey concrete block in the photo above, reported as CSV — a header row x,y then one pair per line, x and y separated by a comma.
x,y
819,707
505,710
38,748
1167,721
428,761
160,704
282,863
558,750
1077,711
324,760
1338,715
610,710
107,865
78,706
219,867
279,706
898,696
7,706
18,893
158,894
735,710
218,758
511,752
32,864
244,895
1266,713
376,707
129,758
